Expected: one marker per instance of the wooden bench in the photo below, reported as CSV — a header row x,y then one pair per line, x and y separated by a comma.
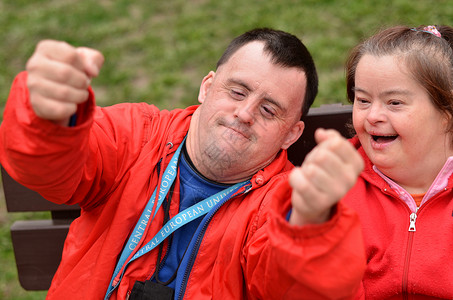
x,y
38,243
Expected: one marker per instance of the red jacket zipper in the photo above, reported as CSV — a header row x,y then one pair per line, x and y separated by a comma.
x,y
412,219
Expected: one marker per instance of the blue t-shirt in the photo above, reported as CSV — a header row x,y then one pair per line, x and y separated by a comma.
x,y
194,188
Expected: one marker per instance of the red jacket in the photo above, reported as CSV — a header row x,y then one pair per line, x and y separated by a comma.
x,y
403,264
108,164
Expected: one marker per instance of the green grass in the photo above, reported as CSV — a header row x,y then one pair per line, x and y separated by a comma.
x,y
158,51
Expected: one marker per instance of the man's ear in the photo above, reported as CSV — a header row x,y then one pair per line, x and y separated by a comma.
x,y
294,134
205,86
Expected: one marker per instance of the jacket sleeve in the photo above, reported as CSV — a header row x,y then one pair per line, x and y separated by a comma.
x,y
67,164
325,261
34,151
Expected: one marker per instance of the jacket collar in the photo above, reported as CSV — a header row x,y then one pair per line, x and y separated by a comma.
x,y
279,165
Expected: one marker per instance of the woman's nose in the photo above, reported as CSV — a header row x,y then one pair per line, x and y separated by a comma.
x,y
376,113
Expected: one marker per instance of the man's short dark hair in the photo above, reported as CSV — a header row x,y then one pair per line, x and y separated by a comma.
x,y
286,50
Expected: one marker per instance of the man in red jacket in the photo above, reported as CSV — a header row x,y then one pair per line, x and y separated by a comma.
x,y
194,203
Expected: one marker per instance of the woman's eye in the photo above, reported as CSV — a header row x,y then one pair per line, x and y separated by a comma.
x,y
361,100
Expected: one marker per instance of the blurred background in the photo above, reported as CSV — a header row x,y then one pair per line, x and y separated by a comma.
x,y
158,51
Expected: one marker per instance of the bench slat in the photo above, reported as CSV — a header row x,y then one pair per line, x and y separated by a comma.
x,y
21,199
335,116
38,245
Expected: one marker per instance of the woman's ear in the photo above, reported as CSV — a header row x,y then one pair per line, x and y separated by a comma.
x,y
294,134
447,121
205,86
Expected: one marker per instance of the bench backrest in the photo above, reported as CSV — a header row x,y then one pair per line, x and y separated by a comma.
x,y
336,116
38,244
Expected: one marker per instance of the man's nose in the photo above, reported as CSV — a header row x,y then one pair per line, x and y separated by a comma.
x,y
245,111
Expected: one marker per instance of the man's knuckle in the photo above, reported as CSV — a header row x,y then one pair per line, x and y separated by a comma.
x,y
62,110
65,74
64,93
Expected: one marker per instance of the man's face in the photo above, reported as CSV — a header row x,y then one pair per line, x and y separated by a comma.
x,y
250,110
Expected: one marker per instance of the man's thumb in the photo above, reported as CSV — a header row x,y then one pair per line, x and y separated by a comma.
x,y
322,134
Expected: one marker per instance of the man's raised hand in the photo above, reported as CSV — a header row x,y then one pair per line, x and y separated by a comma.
x,y
58,78
326,175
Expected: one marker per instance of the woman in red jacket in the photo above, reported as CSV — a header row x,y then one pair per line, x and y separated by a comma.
x,y
401,84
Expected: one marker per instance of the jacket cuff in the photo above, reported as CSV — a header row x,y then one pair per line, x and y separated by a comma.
x,y
296,232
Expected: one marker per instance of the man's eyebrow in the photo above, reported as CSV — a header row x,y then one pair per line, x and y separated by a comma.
x,y
265,97
239,82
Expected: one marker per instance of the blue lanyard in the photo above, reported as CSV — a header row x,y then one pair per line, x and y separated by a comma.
x,y
189,214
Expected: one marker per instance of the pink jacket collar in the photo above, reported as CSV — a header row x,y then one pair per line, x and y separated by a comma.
x,y
439,184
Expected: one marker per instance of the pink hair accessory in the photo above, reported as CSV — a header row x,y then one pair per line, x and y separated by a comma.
x,y
433,30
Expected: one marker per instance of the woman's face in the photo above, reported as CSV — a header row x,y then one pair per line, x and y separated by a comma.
x,y
395,120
